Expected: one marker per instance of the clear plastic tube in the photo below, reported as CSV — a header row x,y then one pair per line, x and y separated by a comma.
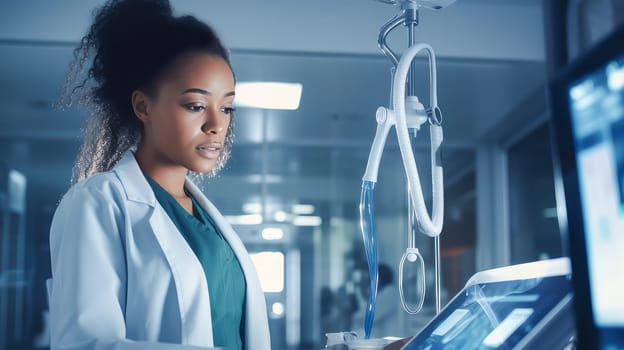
x,y
367,225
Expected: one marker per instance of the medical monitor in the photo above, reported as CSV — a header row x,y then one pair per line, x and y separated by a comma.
x,y
587,101
526,306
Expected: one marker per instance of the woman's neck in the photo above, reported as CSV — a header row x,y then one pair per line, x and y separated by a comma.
x,y
171,177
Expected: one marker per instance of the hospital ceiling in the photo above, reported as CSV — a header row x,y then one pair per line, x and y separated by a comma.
x,y
490,57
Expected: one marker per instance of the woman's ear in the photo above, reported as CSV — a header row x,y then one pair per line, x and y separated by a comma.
x,y
141,105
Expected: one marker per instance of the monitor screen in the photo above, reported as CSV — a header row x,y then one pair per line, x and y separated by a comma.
x,y
588,121
493,315
597,116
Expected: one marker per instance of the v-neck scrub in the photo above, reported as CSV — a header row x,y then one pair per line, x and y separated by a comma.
x,y
226,282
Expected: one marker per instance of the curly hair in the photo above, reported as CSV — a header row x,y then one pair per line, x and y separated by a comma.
x,y
129,44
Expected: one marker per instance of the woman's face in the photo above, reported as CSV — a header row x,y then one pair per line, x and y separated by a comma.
x,y
187,120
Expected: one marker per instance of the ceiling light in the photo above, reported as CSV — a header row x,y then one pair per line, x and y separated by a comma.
x,y
307,221
303,209
280,216
272,233
251,219
252,208
268,95
277,309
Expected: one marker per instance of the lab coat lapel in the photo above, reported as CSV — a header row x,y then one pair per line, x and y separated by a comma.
x,y
189,277
190,280
256,316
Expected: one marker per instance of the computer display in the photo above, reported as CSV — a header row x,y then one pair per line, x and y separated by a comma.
x,y
588,121
597,109
517,307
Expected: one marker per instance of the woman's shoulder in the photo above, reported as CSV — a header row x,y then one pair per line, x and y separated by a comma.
x,y
96,200
99,185
107,180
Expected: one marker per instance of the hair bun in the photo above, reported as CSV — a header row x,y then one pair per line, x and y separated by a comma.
x,y
119,19
120,31
132,11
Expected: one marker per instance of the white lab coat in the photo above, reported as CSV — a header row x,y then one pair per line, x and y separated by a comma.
x,y
125,278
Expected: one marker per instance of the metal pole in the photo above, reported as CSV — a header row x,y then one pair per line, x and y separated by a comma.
x,y
411,21
438,274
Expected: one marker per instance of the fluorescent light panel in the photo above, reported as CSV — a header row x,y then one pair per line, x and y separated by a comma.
x,y
307,221
303,209
252,208
268,95
249,219
272,233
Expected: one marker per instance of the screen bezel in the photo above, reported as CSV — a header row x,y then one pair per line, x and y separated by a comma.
x,y
573,228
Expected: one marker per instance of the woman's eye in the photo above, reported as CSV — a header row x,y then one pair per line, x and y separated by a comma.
x,y
228,110
195,108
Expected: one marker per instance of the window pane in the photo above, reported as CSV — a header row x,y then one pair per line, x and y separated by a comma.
x,y
533,227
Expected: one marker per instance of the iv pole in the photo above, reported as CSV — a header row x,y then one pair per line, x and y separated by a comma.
x,y
409,18
405,113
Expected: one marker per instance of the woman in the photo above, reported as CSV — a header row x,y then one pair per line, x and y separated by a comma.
x,y
140,258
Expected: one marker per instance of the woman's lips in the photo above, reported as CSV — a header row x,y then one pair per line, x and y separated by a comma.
x,y
209,151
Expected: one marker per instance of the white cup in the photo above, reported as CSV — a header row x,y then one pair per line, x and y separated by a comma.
x,y
340,338
367,344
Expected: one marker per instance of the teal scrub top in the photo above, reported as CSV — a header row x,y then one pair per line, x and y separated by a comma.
x,y
224,275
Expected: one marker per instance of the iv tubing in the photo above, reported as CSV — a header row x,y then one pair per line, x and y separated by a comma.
x,y
429,226
367,225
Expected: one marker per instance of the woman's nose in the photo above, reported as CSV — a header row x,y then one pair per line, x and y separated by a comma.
x,y
215,123
212,130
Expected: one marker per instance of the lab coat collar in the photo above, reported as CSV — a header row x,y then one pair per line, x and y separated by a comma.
x,y
133,181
